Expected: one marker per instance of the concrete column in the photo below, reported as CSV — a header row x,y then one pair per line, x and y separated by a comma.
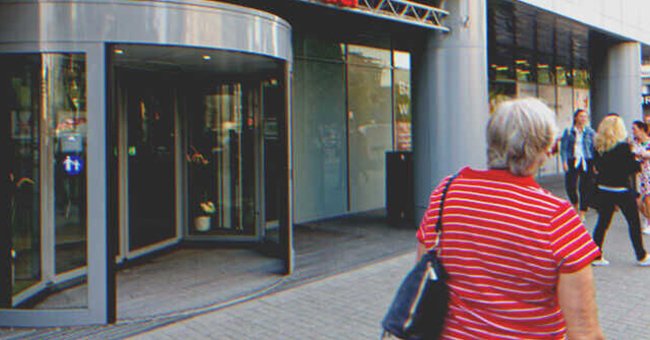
x,y
450,87
616,84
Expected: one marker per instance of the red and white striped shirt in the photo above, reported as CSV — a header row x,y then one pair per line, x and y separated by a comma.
x,y
505,242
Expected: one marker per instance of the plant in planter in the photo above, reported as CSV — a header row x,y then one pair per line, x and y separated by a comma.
x,y
202,222
204,208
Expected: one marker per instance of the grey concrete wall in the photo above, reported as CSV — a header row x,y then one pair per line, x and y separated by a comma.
x,y
616,82
450,98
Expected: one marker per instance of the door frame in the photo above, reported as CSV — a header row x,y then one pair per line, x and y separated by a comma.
x,y
97,269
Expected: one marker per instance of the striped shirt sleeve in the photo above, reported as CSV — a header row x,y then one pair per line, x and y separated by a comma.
x,y
572,247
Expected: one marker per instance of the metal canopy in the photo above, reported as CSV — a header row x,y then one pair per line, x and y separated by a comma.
x,y
404,11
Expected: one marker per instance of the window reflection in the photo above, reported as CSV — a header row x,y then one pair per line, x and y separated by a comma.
x,y
369,125
20,112
220,157
43,107
66,112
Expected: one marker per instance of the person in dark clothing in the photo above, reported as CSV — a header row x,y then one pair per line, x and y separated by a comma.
x,y
615,164
576,150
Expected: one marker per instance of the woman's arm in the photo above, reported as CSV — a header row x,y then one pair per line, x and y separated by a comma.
x,y
577,298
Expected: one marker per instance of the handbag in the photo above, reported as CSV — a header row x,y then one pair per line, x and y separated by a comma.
x,y
420,305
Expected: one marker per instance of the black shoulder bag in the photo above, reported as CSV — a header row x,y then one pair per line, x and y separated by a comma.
x,y
420,306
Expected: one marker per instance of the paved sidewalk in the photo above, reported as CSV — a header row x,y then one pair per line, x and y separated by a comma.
x,y
344,306
351,305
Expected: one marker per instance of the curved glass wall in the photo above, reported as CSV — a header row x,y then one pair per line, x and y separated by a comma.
x,y
20,113
221,160
44,107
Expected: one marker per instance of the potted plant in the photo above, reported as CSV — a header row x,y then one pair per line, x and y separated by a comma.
x,y
205,209
202,222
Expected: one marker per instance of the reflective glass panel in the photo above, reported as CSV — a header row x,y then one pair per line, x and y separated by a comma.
x,y
152,190
319,144
65,79
221,163
369,128
19,110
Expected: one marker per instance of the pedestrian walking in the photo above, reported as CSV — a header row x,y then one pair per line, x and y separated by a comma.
x,y
641,148
576,151
615,165
517,256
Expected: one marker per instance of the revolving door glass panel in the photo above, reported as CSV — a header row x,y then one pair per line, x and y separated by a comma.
x,y
152,191
221,160
21,267
43,232
66,104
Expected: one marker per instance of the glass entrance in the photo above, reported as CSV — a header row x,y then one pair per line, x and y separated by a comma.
x,y
221,160
150,152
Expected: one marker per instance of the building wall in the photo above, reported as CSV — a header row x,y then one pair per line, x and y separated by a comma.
x,y
626,18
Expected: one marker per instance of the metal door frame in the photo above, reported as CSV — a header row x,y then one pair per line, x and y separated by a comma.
x,y
97,255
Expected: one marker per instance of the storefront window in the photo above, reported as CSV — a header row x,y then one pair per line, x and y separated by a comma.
x,y
545,72
524,70
581,78
369,125
319,141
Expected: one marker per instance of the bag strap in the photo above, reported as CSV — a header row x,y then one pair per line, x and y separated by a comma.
x,y
439,222
442,203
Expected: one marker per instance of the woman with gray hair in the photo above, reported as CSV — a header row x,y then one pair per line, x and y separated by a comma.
x,y
518,258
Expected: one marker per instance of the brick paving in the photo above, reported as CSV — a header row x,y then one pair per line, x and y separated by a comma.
x,y
349,304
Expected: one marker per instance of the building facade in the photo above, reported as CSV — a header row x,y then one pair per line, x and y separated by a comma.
x,y
133,126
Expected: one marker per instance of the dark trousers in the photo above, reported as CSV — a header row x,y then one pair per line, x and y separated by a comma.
x,y
578,181
626,201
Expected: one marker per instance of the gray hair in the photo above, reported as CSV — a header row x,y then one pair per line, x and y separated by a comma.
x,y
519,134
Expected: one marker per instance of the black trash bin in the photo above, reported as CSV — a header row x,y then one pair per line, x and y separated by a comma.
x,y
399,188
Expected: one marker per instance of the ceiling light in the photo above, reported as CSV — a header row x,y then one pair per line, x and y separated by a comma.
x,y
206,57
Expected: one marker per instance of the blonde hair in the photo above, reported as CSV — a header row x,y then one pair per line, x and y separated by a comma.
x,y
519,133
611,131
